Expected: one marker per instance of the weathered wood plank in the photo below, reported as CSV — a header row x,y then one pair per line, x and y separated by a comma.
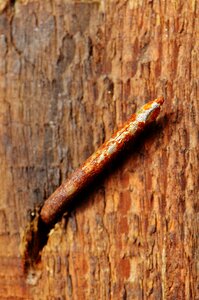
x,y
71,72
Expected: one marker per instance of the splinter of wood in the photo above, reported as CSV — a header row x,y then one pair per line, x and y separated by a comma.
x,y
80,178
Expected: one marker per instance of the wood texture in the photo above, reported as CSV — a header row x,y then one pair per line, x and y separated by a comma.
x,y
71,72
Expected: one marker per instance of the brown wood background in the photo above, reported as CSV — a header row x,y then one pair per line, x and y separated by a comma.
x,y
70,73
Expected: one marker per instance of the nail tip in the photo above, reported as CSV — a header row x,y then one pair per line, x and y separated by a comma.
x,y
160,100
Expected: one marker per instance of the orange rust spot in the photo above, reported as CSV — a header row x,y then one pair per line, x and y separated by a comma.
x,y
160,100
133,117
148,105
124,268
155,113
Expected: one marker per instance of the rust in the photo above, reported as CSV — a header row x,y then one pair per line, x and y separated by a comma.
x,y
56,203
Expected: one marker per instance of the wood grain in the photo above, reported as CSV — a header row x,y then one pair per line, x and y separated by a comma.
x,y
71,72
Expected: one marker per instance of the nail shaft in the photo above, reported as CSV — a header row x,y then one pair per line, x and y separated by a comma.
x,y
80,178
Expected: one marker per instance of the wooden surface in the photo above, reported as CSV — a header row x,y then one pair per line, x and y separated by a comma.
x,y
71,72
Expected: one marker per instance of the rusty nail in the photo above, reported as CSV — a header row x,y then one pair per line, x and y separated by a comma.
x,y
80,178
